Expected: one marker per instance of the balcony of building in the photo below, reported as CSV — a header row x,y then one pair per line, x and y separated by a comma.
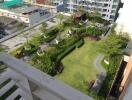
x,y
20,81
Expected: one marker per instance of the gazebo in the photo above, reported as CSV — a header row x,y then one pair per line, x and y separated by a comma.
x,y
79,16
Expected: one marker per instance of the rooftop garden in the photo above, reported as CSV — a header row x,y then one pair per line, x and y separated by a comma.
x,y
79,67
68,51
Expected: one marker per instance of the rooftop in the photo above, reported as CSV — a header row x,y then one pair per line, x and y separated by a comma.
x,y
17,6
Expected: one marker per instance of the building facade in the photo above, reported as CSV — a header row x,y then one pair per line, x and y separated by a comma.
x,y
107,8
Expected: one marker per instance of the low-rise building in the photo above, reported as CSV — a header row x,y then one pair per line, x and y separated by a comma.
x,y
23,11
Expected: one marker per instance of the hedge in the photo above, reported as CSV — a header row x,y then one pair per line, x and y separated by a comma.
x,y
50,38
67,51
96,18
78,44
52,31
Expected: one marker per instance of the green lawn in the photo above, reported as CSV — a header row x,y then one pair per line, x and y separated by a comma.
x,y
79,66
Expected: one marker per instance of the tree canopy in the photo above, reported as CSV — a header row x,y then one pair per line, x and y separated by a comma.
x,y
114,44
44,63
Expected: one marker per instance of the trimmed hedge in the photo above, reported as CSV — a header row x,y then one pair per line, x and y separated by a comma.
x,y
67,51
77,44
80,43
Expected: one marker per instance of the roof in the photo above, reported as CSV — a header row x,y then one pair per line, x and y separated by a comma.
x,y
12,3
18,7
78,14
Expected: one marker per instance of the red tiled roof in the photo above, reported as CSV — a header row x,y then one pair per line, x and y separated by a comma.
x,y
41,1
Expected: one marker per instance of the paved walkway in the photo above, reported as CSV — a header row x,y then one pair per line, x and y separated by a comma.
x,y
98,65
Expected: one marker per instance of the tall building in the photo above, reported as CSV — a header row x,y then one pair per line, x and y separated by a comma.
x,y
107,8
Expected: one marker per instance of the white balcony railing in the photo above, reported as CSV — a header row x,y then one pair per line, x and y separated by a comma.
x,y
33,84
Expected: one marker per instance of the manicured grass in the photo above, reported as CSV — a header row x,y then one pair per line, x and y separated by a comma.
x,y
79,66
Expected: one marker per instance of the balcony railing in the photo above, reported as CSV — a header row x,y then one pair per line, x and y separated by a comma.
x,y
32,84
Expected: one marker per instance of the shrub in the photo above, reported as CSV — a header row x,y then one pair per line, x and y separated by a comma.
x,y
49,38
67,51
54,52
52,31
67,42
17,51
98,19
44,63
31,50
36,40
81,30
111,72
93,31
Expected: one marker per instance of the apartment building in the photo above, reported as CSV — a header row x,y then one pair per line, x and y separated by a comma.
x,y
107,8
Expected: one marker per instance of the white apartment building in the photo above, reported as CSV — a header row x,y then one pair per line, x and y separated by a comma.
x,y
24,12
107,8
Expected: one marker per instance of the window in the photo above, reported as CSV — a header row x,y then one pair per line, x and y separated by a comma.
x,y
112,17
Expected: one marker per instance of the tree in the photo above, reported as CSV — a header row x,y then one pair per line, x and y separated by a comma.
x,y
44,63
113,45
43,28
93,31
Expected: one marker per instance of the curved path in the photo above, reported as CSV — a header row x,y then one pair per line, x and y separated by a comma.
x,y
99,81
98,65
